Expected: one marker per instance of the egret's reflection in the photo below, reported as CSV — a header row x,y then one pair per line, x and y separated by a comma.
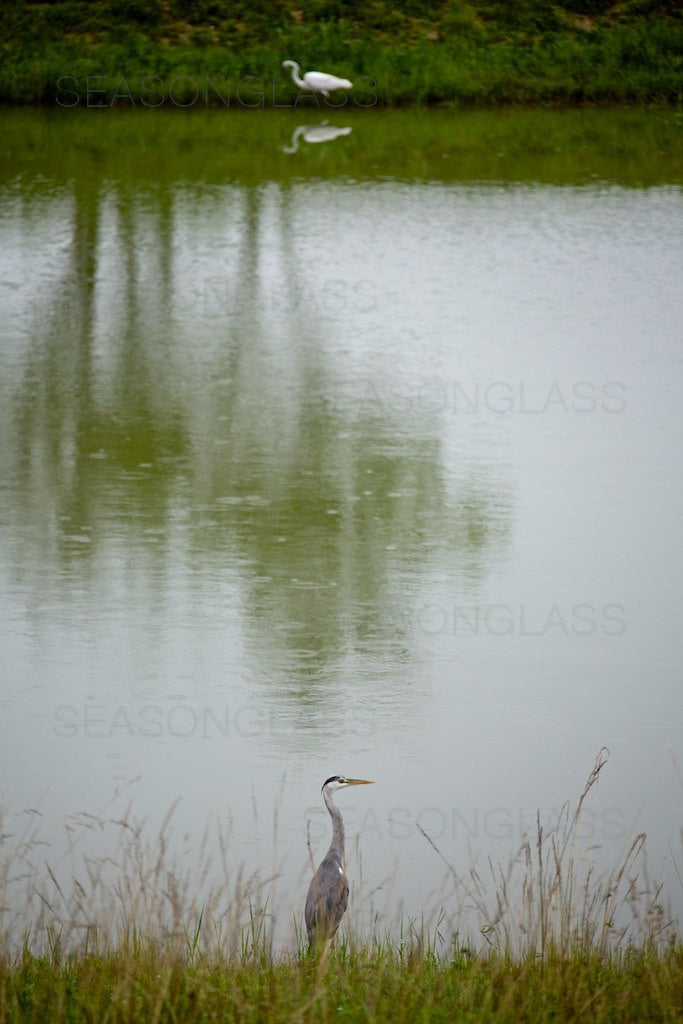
x,y
322,132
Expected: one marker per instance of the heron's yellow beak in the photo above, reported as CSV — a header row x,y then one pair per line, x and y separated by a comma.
x,y
360,782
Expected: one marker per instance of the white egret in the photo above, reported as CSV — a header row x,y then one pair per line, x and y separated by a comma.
x,y
314,133
316,81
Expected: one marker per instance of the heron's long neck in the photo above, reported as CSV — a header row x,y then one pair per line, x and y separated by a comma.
x,y
337,844
295,75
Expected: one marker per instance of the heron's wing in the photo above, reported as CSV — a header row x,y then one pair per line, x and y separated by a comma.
x,y
324,133
327,899
319,81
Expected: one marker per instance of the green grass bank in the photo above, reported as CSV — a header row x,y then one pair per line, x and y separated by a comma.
x,y
153,53
145,984
138,937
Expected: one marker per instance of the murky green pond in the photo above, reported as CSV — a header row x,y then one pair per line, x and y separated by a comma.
x,y
342,447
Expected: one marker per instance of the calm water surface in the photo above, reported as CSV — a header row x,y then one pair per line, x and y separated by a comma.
x,y
358,455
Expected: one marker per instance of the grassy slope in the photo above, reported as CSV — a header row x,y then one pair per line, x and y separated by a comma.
x,y
361,985
414,51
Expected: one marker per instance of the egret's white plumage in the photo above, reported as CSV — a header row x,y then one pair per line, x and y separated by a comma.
x,y
316,81
314,133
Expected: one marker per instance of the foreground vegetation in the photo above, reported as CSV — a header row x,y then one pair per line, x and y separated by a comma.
x,y
136,938
228,53
140,984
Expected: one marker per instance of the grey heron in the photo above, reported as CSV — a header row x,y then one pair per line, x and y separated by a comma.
x,y
316,81
328,893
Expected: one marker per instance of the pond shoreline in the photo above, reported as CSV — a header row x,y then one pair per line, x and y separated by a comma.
x,y
104,54
376,984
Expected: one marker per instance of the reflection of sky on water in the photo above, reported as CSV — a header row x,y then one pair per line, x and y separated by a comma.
x,y
376,478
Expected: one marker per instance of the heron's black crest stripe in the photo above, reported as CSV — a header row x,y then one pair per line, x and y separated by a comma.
x,y
332,778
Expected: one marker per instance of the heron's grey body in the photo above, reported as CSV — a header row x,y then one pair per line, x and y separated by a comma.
x,y
328,893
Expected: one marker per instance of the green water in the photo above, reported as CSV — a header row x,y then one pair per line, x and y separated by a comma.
x,y
361,457
158,148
